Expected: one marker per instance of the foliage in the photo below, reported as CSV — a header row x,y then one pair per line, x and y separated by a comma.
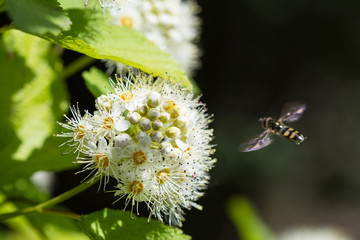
x,y
97,82
110,224
247,223
33,97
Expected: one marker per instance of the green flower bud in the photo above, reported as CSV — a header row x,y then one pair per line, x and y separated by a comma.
x,y
156,136
153,114
177,111
164,117
154,99
157,125
143,110
180,122
145,124
133,117
173,132
166,149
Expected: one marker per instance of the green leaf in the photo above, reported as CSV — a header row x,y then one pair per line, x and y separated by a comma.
x,y
33,91
38,16
245,219
115,224
92,34
67,4
32,98
20,194
23,190
97,82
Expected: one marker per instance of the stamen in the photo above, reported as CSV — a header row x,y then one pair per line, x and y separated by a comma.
x,y
136,187
127,96
139,157
163,175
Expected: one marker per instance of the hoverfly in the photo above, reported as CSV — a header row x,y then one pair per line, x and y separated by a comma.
x,y
291,112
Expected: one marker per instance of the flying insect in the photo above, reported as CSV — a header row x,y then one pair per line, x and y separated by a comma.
x,y
291,112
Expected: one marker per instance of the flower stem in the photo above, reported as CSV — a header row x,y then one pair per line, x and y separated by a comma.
x,y
77,65
63,213
43,207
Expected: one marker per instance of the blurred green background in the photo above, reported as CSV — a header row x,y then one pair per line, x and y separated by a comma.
x,y
257,56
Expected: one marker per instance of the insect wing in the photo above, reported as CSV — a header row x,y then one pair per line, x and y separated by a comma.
x,y
292,111
258,142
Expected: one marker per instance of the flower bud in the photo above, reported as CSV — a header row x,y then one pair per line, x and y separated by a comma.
x,y
165,145
122,140
156,136
173,132
153,114
103,102
133,117
177,111
157,125
143,110
154,99
145,124
181,122
164,117
166,149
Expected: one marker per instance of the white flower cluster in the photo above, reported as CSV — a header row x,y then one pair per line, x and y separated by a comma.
x,y
170,24
153,138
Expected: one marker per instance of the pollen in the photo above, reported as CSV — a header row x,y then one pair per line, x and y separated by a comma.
x,y
163,175
187,153
108,123
127,22
80,132
127,96
102,160
139,158
136,187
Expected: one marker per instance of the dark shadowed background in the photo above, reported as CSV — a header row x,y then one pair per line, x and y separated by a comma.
x,y
259,55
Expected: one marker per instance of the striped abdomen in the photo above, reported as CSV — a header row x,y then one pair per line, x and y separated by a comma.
x,y
291,134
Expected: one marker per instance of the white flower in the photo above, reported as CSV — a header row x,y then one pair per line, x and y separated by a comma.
x,y
136,188
109,121
130,96
101,159
80,130
172,25
139,156
153,138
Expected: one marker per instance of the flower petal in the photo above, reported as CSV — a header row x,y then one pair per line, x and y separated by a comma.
x,y
122,125
102,145
144,140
